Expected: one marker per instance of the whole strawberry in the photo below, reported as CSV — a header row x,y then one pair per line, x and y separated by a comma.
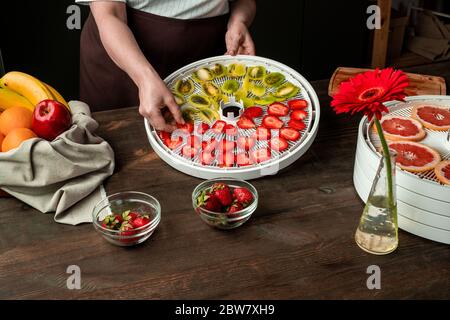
x,y
209,202
223,193
235,207
243,196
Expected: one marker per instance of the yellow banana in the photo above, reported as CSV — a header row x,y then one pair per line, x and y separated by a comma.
x,y
9,99
27,86
57,95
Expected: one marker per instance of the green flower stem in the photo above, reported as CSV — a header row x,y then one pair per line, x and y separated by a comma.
x,y
387,157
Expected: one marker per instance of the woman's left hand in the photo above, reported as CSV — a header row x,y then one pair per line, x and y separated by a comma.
x,y
239,40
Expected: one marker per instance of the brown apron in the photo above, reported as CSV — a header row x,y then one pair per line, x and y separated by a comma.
x,y
167,43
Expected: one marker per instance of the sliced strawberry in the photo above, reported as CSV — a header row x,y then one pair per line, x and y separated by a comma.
x,y
189,152
164,135
243,160
226,159
298,104
227,145
193,141
289,134
278,144
219,126
245,123
253,112
278,109
230,130
209,146
260,155
272,122
207,158
202,128
298,125
262,134
299,115
173,143
187,127
246,143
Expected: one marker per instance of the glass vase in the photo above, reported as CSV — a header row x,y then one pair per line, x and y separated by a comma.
x,y
377,232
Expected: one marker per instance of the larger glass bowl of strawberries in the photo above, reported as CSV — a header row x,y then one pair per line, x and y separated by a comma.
x,y
127,218
225,203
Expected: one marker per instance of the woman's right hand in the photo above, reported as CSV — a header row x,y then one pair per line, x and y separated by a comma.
x,y
154,96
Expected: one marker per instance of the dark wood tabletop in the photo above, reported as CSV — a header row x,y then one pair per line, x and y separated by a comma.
x,y
298,244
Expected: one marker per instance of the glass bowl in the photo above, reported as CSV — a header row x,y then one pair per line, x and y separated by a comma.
x,y
117,204
222,220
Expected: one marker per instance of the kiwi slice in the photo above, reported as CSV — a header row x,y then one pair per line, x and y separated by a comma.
x,y
230,86
179,99
218,70
211,89
286,90
188,113
199,101
208,115
184,86
236,70
203,74
257,90
266,100
273,79
256,73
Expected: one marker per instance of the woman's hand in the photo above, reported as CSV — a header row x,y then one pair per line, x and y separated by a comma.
x,y
153,98
239,40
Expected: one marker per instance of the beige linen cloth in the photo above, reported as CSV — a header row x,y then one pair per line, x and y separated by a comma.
x,y
63,176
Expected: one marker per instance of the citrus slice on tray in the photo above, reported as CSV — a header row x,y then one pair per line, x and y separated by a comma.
x,y
398,128
415,157
435,117
442,172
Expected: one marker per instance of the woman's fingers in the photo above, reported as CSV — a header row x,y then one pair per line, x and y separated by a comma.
x,y
156,119
232,41
175,110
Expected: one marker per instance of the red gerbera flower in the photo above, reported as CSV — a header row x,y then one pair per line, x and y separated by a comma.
x,y
369,90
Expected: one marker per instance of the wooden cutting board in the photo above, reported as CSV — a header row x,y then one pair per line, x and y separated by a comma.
x,y
419,84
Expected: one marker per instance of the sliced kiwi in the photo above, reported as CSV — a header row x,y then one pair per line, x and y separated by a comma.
x,y
286,90
236,70
207,114
211,89
218,70
199,101
188,113
273,79
230,86
257,90
184,86
256,73
203,74
179,99
266,100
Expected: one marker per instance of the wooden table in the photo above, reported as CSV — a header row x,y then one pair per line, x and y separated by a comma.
x,y
298,244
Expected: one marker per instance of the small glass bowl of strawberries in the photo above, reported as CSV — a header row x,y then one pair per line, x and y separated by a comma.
x,y
225,203
127,218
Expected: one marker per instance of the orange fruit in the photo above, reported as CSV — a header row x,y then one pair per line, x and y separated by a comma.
x,y
15,117
15,138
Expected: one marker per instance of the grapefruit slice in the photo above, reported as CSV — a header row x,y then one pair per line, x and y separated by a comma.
x,y
397,128
442,172
415,157
434,117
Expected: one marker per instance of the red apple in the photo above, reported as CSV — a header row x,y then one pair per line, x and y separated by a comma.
x,y
50,119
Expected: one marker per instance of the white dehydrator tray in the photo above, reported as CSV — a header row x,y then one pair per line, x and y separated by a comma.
x,y
279,160
423,202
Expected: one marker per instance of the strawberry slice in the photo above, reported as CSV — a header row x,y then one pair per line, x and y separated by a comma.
x,y
245,123
253,112
187,127
173,143
243,160
298,125
207,158
278,109
298,104
278,144
202,128
262,134
230,130
209,146
260,155
289,134
246,143
226,159
218,126
299,115
227,145
189,152
193,141
272,122
164,135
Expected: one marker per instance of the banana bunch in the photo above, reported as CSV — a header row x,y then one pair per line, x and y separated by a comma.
x,y
18,89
